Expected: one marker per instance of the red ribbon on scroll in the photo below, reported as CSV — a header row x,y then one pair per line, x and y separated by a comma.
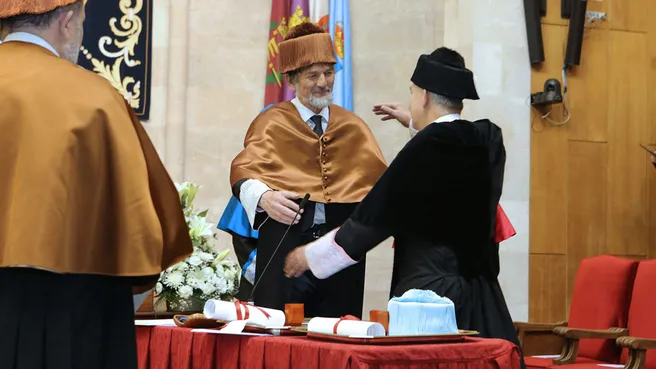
x,y
347,317
239,304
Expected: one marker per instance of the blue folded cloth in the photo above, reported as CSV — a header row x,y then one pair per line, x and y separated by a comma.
x,y
235,220
421,312
248,271
422,296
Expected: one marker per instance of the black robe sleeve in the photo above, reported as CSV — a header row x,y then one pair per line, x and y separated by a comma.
x,y
444,186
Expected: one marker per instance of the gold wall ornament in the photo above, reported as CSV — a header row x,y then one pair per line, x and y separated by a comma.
x,y
124,39
113,75
132,27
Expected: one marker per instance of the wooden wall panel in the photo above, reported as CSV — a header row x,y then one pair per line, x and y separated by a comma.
x,y
628,233
553,14
593,190
651,98
549,159
553,11
651,249
599,6
586,205
546,275
589,90
629,15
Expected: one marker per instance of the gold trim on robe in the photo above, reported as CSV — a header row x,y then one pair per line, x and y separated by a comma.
x,y
282,151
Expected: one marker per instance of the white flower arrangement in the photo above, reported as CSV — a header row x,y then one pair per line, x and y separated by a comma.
x,y
207,273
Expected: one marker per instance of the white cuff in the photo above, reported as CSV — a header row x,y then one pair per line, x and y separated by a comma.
x,y
249,195
325,257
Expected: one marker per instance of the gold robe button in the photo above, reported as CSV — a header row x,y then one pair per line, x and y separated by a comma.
x,y
325,178
325,170
325,138
323,162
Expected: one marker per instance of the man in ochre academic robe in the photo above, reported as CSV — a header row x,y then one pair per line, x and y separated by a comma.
x,y
298,147
439,200
88,213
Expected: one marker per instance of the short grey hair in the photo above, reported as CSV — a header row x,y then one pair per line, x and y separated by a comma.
x,y
292,76
444,101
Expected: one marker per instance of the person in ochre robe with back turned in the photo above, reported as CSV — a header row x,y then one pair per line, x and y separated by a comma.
x,y
439,200
88,214
307,145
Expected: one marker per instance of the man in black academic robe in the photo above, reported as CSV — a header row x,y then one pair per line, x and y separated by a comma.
x,y
438,199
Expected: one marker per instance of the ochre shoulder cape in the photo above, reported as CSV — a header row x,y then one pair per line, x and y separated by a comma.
x,y
82,189
282,151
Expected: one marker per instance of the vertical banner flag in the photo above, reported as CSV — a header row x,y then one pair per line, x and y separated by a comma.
x,y
339,20
285,14
277,31
334,17
319,13
117,45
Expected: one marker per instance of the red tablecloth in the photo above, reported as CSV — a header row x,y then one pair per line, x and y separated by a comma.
x,y
178,348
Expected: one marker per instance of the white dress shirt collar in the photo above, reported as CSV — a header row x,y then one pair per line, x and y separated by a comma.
x,y
447,118
307,114
32,39
444,118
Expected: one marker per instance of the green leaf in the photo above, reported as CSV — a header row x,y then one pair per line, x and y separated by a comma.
x,y
203,214
222,255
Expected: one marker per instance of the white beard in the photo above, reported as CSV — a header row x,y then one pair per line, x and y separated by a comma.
x,y
320,103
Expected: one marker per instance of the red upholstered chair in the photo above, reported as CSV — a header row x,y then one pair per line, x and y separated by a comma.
x,y
640,346
600,301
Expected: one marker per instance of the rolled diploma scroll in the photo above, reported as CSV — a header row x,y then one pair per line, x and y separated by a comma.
x,y
224,310
346,327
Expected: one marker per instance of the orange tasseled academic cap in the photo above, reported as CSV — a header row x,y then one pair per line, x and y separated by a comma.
x,y
10,8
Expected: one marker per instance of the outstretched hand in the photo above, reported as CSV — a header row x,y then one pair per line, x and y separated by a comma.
x,y
393,111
